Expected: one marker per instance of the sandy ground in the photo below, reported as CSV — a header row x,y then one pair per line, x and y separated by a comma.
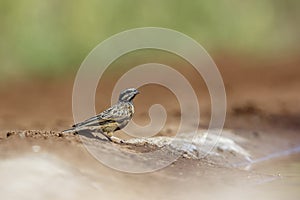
x,y
263,116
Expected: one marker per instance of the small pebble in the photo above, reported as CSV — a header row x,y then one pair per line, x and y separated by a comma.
x,y
22,134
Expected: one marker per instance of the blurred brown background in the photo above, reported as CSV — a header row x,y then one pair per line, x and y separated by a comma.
x,y
42,44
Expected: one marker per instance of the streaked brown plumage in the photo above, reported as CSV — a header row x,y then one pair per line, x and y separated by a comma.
x,y
112,119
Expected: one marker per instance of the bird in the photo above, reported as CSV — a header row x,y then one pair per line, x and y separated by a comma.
x,y
112,119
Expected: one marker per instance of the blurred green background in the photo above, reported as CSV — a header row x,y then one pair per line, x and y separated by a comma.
x,y
52,36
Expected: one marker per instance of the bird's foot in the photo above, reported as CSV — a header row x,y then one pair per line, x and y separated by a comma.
x,y
116,140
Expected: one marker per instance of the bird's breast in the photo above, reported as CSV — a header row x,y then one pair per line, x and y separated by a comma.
x,y
131,109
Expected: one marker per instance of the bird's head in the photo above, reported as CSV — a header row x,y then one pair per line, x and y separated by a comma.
x,y
128,95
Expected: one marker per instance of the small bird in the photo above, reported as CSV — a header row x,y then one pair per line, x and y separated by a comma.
x,y
114,118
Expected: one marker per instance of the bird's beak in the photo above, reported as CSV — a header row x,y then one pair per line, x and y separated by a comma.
x,y
137,92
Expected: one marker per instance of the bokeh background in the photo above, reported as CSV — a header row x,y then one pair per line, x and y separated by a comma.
x,y
51,38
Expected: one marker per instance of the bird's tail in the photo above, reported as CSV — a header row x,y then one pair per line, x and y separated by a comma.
x,y
70,130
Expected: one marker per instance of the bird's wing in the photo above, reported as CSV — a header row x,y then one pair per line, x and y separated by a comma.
x,y
114,113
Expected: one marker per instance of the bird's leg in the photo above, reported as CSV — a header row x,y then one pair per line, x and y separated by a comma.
x,y
104,134
114,139
110,137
